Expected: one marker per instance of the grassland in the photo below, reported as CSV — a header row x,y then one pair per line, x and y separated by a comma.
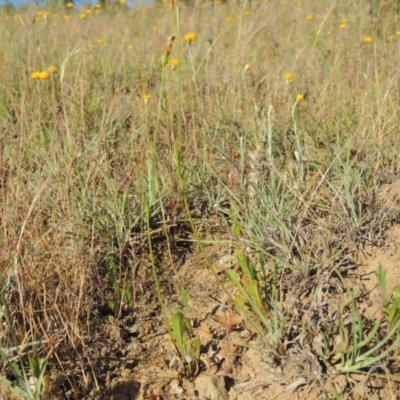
x,y
177,207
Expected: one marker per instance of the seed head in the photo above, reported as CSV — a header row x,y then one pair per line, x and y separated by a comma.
x,y
52,69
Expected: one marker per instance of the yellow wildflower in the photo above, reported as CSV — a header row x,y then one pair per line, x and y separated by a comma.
x,y
398,33
35,75
247,67
247,12
98,6
368,39
52,69
190,37
66,17
173,63
343,25
122,2
82,16
146,97
44,75
88,11
309,17
70,4
288,77
228,18
100,40
300,97
270,107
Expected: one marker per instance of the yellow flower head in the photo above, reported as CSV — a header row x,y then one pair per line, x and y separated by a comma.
x,y
70,4
52,69
44,75
368,39
247,67
100,40
190,37
300,97
288,77
247,12
309,17
82,16
146,97
343,25
98,6
270,107
173,63
66,17
398,33
35,75
122,2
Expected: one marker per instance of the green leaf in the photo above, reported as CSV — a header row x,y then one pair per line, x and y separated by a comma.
x,y
396,297
34,363
185,298
194,346
112,271
255,293
245,266
381,276
127,295
179,329
114,306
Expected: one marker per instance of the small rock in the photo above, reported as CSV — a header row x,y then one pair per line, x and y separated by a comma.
x,y
211,387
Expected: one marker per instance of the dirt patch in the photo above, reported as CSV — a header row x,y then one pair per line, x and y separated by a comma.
x,y
369,259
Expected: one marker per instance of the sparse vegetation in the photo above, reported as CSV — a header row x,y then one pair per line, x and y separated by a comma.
x,y
184,187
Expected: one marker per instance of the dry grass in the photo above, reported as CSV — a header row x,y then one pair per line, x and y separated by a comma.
x,y
91,173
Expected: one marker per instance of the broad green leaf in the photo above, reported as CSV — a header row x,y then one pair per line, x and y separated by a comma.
x,y
179,328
